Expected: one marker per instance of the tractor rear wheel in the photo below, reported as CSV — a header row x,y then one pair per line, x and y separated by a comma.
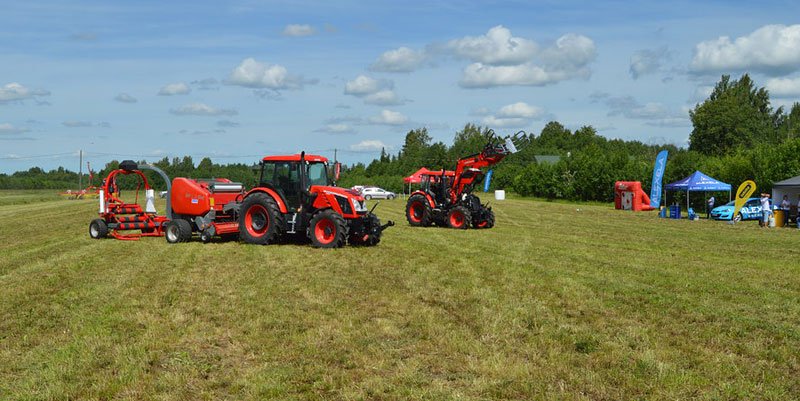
x,y
260,220
178,230
98,229
418,211
327,229
459,217
488,222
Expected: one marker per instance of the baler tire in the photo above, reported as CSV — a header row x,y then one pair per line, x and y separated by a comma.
x,y
327,229
486,223
98,229
418,211
254,209
178,230
459,217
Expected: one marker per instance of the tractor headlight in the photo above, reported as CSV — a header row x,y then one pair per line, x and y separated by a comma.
x,y
361,206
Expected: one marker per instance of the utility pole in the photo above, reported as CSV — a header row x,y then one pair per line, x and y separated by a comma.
x,y
80,170
334,155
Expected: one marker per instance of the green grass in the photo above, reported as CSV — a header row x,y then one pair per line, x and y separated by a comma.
x,y
553,303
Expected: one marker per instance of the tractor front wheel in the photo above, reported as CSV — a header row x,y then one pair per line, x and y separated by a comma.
x,y
327,229
459,217
418,211
98,229
178,230
260,220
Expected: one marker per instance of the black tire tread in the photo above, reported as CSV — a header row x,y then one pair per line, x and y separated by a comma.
x,y
426,214
338,221
275,229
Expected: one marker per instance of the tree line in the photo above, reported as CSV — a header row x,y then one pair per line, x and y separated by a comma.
x,y
736,135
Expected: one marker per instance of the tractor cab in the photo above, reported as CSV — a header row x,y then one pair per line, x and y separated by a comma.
x,y
436,184
287,176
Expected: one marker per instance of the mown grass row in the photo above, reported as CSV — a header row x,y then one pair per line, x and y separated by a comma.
x,y
558,301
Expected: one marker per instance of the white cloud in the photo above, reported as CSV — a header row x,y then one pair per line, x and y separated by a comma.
x,y
201,109
385,97
299,30
369,145
125,98
17,92
496,47
254,74
656,114
402,59
569,58
388,117
515,115
179,88
647,61
227,124
77,124
784,87
8,129
772,49
336,128
363,85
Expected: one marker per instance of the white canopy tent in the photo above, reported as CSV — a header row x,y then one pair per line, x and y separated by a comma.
x,y
790,188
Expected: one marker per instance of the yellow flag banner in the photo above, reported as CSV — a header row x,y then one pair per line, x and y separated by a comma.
x,y
742,194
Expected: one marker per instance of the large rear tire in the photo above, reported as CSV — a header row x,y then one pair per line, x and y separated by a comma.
x,y
178,230
327,229
418,211
459,217
488,222
98,229
260,220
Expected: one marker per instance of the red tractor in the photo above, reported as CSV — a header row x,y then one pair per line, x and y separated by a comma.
x,y
293,199
445,197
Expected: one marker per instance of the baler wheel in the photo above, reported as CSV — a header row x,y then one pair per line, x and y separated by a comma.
x,y
178,230
260,220
459,217
98,229
327,229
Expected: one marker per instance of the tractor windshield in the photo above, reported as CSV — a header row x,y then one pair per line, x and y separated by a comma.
x,y
317,174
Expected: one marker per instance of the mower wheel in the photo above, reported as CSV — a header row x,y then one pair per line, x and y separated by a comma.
x,y
260,220
98,229
367,239
459,217
418,211
487,223
178,230
327,229
206,236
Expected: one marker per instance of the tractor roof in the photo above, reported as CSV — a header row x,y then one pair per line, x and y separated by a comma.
x,y
295,158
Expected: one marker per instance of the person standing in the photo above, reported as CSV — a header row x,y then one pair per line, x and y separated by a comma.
x,y
765,209
710,206
785,207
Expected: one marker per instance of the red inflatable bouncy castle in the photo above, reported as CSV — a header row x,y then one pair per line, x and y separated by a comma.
x,y
628,195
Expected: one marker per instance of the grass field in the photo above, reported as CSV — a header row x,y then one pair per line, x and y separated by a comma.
x,y
559,301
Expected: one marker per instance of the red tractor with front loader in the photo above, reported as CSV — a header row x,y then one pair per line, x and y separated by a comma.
x,y
445,197
294,198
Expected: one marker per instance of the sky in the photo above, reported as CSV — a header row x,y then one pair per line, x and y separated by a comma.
x,y
238,80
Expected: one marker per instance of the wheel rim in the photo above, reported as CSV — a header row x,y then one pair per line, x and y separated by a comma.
x,y
483,224
94,231
172,233
456,219
415,211
325,231
256,220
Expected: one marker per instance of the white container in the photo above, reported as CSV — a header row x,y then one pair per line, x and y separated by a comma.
x,y
500,194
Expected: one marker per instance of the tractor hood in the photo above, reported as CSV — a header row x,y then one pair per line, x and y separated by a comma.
x,y
349,193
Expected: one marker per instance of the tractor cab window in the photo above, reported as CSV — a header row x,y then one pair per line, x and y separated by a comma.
x,y
317,174
284,176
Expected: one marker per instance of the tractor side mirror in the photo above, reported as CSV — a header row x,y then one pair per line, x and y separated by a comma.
x,y
337,171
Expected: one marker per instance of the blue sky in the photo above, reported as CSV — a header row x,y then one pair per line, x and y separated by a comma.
x,y
241,79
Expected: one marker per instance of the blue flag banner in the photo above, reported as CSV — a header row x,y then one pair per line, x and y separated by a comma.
x,y
658,177
487,181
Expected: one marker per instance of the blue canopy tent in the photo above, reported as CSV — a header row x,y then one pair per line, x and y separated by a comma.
x,y
698,182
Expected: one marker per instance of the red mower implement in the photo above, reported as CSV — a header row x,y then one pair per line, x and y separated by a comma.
x,y
445,197
117,216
